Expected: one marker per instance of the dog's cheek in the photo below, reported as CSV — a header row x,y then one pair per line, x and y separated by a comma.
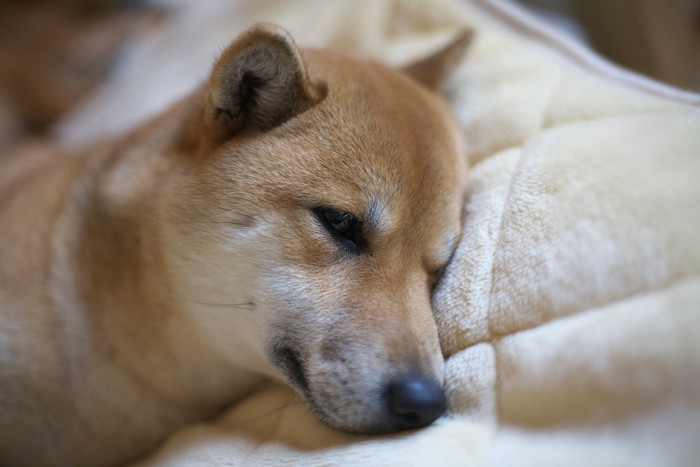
x,y
286,307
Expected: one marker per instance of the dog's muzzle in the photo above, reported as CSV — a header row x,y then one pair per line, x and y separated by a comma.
x,y
407,401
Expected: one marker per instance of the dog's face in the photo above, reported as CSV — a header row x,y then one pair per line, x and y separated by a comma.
x,y
324,228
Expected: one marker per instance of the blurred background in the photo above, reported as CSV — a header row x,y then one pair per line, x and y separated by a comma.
x,y
54,53
658,38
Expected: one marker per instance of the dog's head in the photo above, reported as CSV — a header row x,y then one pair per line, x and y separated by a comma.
x,y
321,206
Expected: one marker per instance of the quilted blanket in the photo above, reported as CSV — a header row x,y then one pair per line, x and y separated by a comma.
x,y
570,315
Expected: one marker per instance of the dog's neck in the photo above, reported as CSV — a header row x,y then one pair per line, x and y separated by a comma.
x,y
111,223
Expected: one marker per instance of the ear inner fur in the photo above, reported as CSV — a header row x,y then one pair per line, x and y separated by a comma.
x,y
259,82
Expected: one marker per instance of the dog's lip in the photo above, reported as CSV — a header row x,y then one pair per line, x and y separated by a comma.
x,y
287,359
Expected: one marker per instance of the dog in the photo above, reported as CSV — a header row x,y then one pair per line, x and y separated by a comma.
x,y
287,220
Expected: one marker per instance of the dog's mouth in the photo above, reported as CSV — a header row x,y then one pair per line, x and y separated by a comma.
x,y
291,363
288,360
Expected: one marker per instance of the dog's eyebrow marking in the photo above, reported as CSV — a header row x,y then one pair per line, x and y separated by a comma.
x,y
218,222
378,216
242,306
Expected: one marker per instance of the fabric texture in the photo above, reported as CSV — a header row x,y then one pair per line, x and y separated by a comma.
x,y
570,315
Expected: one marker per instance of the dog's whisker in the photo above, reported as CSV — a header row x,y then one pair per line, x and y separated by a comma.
x,y
241,306
236,223
231,218
273,411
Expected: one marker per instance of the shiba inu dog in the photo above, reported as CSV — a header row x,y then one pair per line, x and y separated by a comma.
x,y
287,220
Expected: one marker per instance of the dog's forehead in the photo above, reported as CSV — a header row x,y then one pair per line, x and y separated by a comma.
x,y
379,146
390,154
396,142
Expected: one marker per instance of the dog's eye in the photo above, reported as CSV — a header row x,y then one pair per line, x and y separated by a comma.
x,y
345,228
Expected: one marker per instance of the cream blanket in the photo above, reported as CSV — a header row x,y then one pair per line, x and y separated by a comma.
x,y
570,316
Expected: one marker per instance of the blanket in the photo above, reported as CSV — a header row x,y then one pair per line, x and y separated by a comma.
x,y
570,314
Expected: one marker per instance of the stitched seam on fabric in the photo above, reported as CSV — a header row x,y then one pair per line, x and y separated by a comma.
x,y
602,118
497,379
554,85
578,56
494,341
506,200
496,369
497,337
545,129
498,236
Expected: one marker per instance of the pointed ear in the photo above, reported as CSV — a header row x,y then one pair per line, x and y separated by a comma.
x,y
258,82
433,70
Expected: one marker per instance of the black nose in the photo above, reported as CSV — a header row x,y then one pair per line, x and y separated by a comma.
x,y
415,401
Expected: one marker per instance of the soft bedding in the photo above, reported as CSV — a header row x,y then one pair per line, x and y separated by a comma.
x,y
570,314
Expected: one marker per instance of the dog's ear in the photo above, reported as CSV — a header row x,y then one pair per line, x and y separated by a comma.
x,y
433,70
259,82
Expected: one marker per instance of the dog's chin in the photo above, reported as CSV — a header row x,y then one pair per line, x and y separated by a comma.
x,y
290,363
347,422
333,420
336,409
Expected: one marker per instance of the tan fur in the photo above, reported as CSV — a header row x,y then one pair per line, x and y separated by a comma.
x,y
147,283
